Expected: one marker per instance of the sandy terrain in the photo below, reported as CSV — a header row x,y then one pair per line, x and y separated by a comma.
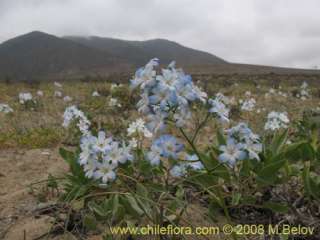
x,y
18,170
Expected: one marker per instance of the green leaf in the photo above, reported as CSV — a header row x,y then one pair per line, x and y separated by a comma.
x,y
142,197
72,160
310,186
90,222
249,200
132,206
66,155
278,141
205,180
77,205
142,191
215,167
269,173
115,204
220,138
98,209
235,198
214,211
276,207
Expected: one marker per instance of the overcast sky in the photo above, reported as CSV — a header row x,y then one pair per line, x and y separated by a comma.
x,y
270,32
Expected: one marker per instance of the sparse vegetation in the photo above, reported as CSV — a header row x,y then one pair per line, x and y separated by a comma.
x,y
275,181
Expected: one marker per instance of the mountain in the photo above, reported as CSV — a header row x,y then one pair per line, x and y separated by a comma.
x,y
41,56
140,52
38,54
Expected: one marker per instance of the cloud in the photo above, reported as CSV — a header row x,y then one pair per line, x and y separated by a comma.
x,y
274,32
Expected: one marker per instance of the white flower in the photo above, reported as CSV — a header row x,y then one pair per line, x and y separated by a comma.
x,y
59,85
276,120
73,113
114,86
95,94
58,94
224,99
304,85
272,91
138,127
248,105
67,99
106,172
5,108
102,143
304,91
247,93
40,93
133,143
113,102
25,97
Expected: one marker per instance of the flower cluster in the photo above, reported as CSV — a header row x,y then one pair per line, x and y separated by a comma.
x,y
165,96
168,147
273,92
241,144
138,127
248,104
276,120
73,113
25,97
5,108
304,91
95,94
115,86
113,102
100,156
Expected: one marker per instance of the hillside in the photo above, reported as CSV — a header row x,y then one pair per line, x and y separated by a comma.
x,y
139,52
38,54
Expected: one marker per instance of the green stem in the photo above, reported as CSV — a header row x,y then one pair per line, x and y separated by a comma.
x,y
193,147
201,125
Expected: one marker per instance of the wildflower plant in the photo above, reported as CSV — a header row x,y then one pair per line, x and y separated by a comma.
x,y
144,176
5,108
304,91
27,101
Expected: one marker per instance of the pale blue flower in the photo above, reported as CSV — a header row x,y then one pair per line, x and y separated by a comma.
x,y
169,146
220,109
178,170
232,152
153,156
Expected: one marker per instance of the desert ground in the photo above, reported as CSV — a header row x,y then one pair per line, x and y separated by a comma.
x,y
30,137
